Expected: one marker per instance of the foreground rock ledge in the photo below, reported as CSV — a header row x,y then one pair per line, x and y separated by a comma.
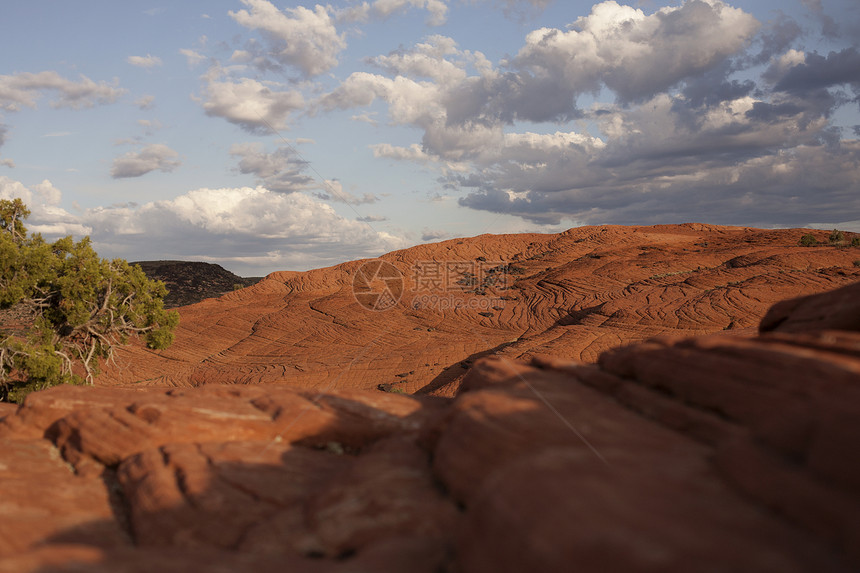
x,y
717,453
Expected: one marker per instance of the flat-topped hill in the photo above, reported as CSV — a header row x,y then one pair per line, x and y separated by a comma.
x,y
189,282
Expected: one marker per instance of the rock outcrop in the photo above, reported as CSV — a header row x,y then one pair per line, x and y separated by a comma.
x,y
574,294
713,453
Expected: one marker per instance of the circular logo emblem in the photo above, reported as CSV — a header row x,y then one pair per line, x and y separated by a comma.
x,y
377,285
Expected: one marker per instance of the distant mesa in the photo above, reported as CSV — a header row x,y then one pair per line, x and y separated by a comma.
x,y
189,282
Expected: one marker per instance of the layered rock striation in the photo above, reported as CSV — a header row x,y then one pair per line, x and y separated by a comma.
x,y
574,294
715,453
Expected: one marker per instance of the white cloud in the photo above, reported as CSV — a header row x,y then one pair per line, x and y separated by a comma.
x,y
411,153
156,156
254,106
243,228
298,37
192,57
428,60
26,88
46,215
147,61
145,102
251,231
438,9
633,54
365,118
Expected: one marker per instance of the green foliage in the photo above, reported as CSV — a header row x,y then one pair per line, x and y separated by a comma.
x,y
836,237
808,240
12,215
84,306
855,242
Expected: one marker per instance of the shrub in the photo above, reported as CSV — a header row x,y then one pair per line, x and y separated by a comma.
x,y
836,237
808,240
83,306
855,242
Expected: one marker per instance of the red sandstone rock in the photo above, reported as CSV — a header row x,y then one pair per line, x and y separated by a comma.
x,y
719,452
573,294
836,310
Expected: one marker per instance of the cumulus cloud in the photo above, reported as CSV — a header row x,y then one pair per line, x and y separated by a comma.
x,y
816,72
156,156
676,131
24,89
280,171
249,228
621,48
413,152
46,215
297,37
657,166
254,106
147,61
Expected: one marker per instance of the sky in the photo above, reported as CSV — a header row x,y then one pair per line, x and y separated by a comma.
x,y
268,136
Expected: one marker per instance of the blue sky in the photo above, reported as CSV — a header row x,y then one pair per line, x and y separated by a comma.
x,y
280,135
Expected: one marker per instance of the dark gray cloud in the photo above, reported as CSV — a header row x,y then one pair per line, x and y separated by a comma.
x,y
4,161
829,27
685,125
281,170
775,38
714,87
817,72
759,191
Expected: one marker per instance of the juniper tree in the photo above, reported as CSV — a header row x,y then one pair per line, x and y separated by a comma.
x,y
82,306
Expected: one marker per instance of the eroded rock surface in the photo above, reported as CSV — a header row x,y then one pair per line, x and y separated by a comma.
x,y
714,453
574,294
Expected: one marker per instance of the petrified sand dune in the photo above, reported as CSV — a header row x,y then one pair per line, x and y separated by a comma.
x,y
717,453
575,294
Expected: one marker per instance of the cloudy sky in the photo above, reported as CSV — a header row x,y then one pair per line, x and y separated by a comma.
x,y
281,135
